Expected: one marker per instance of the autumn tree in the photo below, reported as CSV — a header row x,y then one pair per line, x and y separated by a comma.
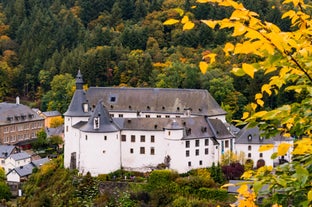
x,y
286,56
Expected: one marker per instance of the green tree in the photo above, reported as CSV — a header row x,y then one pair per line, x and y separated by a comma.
x,y
285,55
41,141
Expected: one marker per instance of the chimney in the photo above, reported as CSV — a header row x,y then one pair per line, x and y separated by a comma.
x,y
17,100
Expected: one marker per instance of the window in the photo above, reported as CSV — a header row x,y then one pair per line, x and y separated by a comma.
x,y
66,128
152,138
249,137
187,144
131,150
105,137
132,138
206,142
112,98
123,138
86,137
158,116
197,143
152,150
260,155
167,116
197,152
169,132
249,155
249,148
142,150
120,115
200,162
226,143
189,164
142,138
206,151
187,153
147,116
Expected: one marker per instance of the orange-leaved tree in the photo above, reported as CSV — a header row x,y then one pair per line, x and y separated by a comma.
x,y
286,57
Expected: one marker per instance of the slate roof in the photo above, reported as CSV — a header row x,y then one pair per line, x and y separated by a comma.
x,y
251,136
20,156
54,131
16,113
51,113
219,129
38,163
26,170
6,150
155,100
75,108
105,122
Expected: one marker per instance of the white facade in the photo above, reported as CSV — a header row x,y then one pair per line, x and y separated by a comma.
x,y
16,160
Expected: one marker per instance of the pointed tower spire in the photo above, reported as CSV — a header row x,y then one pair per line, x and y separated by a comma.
x,y
79,81
79,105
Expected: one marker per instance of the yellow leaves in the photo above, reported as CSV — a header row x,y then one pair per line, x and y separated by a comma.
x,y
210,23
303,146
188,26
258,98
203,66
283,148
266,88
239,29
310,195
247,174
266,147
229,47
245,115
248,69
185,19
171,22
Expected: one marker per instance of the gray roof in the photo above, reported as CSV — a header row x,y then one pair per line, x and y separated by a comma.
x,y
6,150
38,163
54,131
75,108
105,122
219,129
15,113
251,136
20,156
51,113
26,170
155,100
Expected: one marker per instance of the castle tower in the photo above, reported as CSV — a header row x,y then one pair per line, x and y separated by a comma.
x,y
77,113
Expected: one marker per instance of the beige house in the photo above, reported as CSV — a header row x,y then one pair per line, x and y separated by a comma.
x,y
18,124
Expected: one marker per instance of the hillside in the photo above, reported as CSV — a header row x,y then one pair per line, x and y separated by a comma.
x,y
118,43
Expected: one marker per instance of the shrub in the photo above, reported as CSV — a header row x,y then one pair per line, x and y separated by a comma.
x,y
215,194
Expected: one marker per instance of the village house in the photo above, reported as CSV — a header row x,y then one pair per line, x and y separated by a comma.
x,y
249,140
108,128
16,160
49,116
18,124
5,152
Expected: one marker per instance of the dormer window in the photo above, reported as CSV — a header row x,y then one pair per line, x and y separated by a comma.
x,y
148,107
113,99
261,138
96,123
249,137
85,107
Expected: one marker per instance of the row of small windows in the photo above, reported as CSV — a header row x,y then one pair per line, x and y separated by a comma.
x,y
142,150
133,138
146,116
260,155
22,127
190,163
197,143
21,117
19,137
187,152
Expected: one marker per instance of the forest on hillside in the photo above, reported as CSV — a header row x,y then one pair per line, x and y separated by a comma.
x,y
121,43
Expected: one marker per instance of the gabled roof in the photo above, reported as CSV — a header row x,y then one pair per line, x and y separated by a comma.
x,y
26,170
104,121
54,131
38,163
219,129
155,100
20,156
251,136
16,113
6,150
51,113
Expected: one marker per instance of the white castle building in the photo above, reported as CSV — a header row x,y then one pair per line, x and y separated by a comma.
x,y
108,128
